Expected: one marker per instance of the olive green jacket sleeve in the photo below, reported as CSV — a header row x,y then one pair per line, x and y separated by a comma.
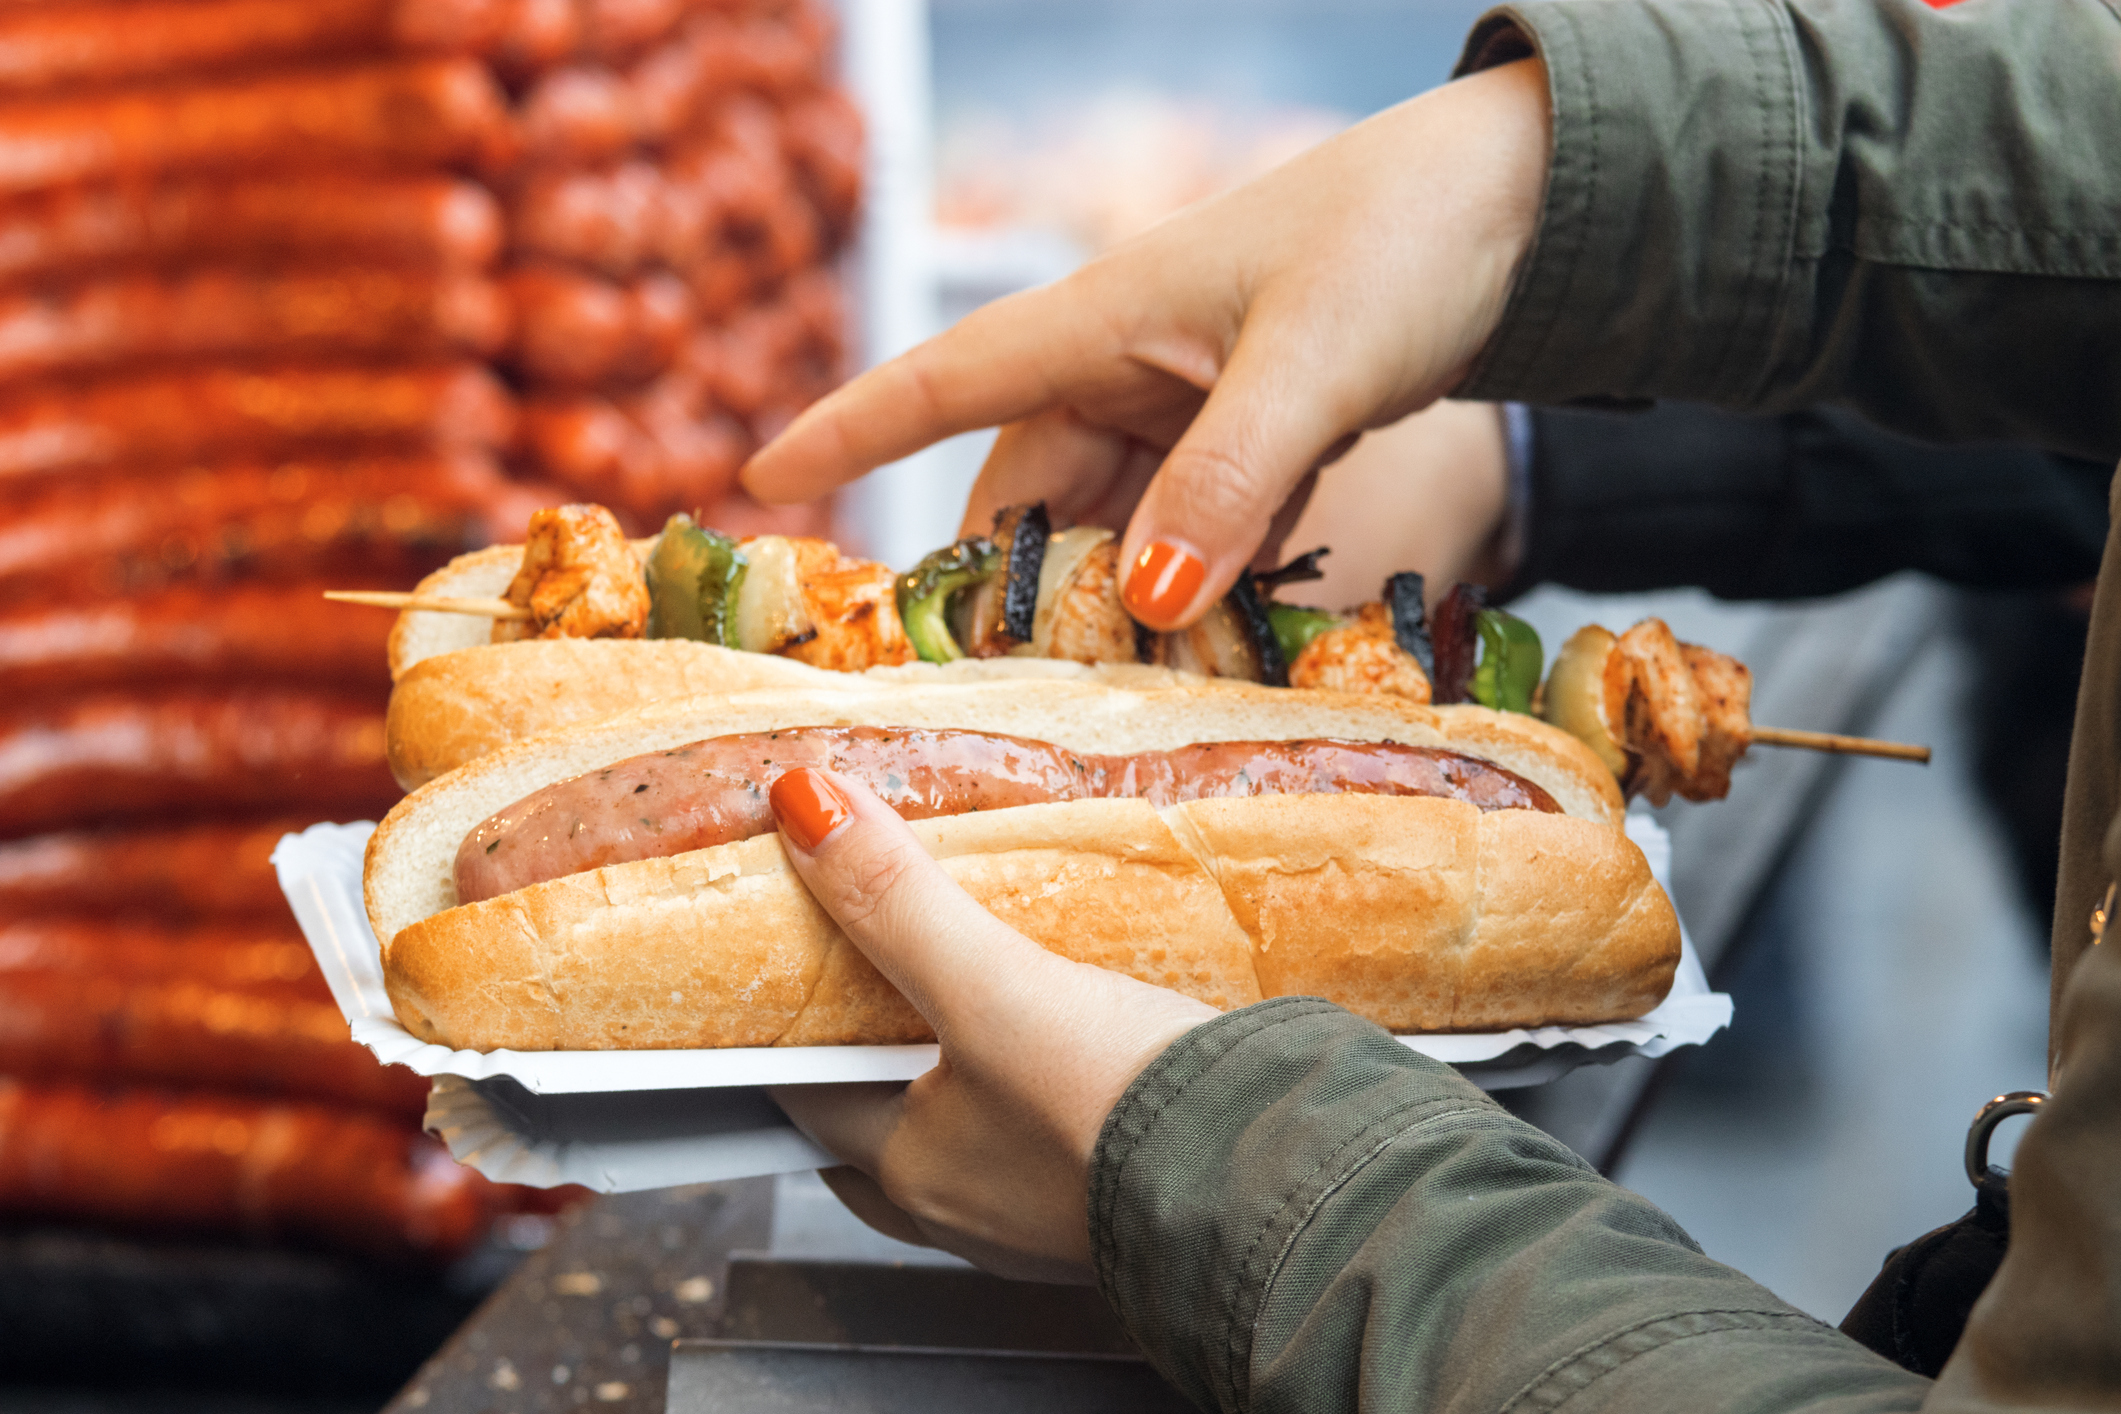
x,y
1291,1211
1767,204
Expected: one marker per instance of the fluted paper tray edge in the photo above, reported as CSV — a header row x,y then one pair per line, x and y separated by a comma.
x,y
320,872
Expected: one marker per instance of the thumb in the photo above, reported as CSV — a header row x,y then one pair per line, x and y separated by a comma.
x,y
1266,425
927,936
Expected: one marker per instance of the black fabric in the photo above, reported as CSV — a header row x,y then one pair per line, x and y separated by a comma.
x,y
1795,506
1914,1312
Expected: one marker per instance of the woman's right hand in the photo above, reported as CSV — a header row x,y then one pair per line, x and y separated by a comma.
x,y
1188,383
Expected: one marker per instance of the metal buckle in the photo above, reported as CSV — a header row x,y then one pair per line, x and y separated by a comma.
x,y
2003,1107
2104,911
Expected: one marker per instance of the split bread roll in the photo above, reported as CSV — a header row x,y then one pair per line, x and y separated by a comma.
x,y
457,697
1419,913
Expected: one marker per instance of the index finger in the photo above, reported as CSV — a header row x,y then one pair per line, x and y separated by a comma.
x,y
954,961
1002,362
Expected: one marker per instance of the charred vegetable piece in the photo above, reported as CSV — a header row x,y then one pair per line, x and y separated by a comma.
x,y
1456,637
1020,533
694,579
1300,570
925,592
1249,607
1510,660
1002,609
1295,627
1410,621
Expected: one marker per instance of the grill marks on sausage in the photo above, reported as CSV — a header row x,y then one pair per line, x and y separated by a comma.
x,y
714,792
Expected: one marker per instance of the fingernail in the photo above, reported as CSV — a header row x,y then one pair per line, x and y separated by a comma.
x,y
1162,582
808,805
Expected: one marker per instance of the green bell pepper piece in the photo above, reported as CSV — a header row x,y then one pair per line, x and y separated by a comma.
x,y
1510,662
925,592
1294,627
694,577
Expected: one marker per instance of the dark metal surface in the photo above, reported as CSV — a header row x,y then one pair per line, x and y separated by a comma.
x,y
871,1303
587,1323
734,1377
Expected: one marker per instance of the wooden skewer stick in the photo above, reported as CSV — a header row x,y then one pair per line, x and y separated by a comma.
x,y
438,604
502,609
1847,745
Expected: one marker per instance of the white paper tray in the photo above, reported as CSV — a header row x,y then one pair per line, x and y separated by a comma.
x,y
647,1119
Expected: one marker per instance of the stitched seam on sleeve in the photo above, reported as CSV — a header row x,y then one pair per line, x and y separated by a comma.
x,y
1755,255
1777,310
1151,1093
1403,1124
1570,255
1565,1379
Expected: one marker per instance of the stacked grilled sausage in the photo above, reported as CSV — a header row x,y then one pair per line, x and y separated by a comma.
x,y
308,293
685,181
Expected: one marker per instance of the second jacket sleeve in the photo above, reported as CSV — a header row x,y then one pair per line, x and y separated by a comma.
x,y
1766,204
1291,1211
1790,507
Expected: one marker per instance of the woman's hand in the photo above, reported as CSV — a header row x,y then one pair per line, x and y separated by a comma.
x,y
988,1154
1193,378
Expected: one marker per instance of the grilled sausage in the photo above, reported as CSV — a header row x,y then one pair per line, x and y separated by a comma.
x,y
613,29
644,458
221,870
577,330
609,220
713,792
70,1025
577,116
375,517
411,114
102,758
249,633
539,34
822,136
269,960
423,222
172,419
340,313
222,1164
78,45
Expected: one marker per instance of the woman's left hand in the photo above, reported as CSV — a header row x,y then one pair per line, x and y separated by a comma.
x,y
988,1154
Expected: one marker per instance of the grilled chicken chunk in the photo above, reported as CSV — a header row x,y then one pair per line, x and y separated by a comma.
x,y
1090,625
1363,656
853,611
580,579
1681,712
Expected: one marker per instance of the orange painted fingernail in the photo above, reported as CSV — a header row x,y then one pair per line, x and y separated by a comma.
x,y
808,805
1162,582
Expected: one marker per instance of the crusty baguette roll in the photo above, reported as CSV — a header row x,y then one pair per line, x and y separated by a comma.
x,y
1420,913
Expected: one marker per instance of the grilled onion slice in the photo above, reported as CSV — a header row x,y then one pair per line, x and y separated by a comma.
x,y
769,611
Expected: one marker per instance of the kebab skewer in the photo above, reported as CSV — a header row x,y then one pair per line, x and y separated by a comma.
x,y
1668,718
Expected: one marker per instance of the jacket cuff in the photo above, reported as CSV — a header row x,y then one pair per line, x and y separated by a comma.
x,y
1671,207
1217,1155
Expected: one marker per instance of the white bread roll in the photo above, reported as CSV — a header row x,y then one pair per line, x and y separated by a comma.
x,y
1420,913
